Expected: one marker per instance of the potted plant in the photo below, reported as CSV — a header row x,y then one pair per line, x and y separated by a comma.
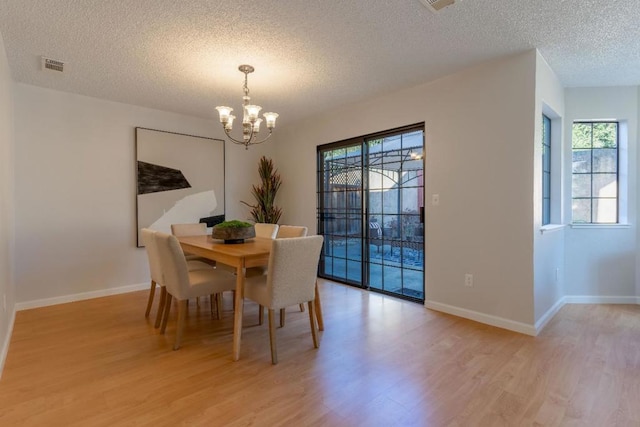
x,y
233,231
265,210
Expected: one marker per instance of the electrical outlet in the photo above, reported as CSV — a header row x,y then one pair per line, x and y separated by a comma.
x,y
435,199
557,275
468,280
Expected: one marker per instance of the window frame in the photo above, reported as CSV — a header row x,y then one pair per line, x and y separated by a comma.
x,y
546,160
591,198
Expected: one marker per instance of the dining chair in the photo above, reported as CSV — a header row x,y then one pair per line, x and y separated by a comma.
x,y
193,229
284,232
182,283
155,272
288,231
290,280
268,231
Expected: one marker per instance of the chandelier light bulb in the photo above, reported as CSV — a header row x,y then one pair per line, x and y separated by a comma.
x,y
256,126
252,112
229,124
224,113
271,119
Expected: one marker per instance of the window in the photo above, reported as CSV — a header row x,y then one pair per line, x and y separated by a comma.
x,y
546,170
594,188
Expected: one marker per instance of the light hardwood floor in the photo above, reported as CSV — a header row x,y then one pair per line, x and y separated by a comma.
x,y
381,362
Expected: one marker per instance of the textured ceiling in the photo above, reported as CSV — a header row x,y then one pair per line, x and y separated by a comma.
x,y
309,56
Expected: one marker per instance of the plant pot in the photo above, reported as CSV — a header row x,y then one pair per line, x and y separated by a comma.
x,y
233,235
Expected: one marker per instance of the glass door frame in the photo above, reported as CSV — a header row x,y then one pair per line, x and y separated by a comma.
x,y
326,213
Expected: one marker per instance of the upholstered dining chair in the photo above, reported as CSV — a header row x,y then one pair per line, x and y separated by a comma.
x,y
288,231
182,283
156,272
194,229
285,232
290,280
268,231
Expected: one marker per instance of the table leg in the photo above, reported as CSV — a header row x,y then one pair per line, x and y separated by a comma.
x,y
237,315
318,310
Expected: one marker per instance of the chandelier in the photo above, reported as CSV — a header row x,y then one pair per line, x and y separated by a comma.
x,y
250,121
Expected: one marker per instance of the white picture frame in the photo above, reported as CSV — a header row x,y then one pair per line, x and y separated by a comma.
x,y
179,179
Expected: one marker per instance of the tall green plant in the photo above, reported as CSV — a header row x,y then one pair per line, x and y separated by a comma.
x,y
265,210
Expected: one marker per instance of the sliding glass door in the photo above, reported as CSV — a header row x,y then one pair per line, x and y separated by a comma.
x,y
370,210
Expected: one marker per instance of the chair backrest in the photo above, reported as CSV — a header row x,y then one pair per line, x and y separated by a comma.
x,y
287,231
196,229
150,246
266,230
175,272
293,269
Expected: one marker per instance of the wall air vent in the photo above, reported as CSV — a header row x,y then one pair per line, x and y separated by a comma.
x,y
436,5
52,64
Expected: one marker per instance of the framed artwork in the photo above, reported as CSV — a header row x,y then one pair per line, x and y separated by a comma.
x,y
180,179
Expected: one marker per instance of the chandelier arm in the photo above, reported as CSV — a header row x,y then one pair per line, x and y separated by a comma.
x,y
249,141
265,138
236,141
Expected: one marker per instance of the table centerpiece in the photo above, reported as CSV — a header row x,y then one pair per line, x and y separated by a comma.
x,y
233,231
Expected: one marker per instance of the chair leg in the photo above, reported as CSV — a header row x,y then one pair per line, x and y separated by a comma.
x,y
163,301
312,320
152,293
302,308
282,312
182,312
272,337
318,307
260,315
165,316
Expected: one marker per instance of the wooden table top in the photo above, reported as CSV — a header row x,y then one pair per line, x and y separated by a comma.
x,y
254,246
253,252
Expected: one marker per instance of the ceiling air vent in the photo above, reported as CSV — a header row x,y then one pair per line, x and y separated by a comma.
x,y
436,5
52,64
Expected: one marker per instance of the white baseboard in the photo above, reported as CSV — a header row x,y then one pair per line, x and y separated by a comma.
x,y
524,328
542,322
487,319
7,341
587,299
79,297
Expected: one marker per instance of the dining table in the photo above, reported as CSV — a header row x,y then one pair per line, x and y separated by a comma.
x,y
252,252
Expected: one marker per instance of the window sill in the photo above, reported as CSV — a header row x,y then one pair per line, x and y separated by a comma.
x,y
549,228
592,226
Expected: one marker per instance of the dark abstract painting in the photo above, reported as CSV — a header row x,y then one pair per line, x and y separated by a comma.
x,y
153,178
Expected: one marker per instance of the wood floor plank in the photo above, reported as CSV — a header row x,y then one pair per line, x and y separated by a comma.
x,y
381,361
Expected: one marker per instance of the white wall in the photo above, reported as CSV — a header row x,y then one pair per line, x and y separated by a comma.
x,y
549,246
479,128
75,190
601,262
6,205
637,261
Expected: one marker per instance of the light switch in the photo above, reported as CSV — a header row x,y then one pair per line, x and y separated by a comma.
x,y
435,199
